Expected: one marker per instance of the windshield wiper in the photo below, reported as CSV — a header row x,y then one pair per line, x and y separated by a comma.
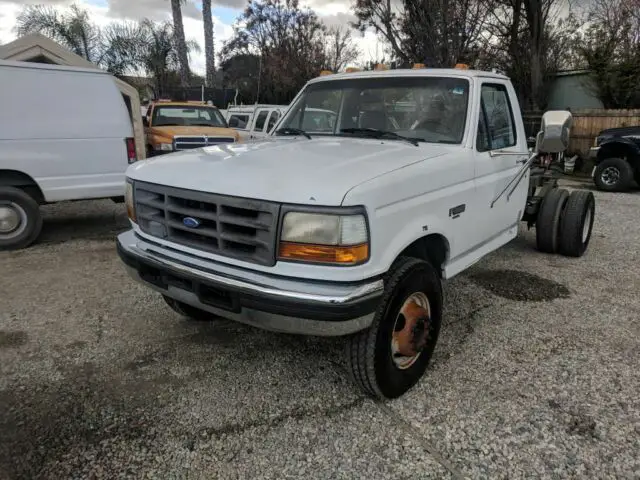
x,y
375,133
293,131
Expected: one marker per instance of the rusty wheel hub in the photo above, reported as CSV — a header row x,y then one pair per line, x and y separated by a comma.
x,y
410,331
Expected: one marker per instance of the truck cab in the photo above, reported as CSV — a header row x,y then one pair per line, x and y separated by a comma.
x,y
255,121
175,126
373,188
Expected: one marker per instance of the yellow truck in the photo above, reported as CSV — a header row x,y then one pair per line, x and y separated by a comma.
x,y
174,126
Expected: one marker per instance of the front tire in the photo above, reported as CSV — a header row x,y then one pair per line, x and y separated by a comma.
x,y
20,219
188,311
391,356
613,175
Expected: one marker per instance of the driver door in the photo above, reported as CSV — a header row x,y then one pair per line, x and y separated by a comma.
x,y
499,140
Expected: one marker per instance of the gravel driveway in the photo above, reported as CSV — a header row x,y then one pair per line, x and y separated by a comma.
x,y
536,374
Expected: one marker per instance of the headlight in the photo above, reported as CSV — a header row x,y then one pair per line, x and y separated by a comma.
x,y
128,200
324,238
165,147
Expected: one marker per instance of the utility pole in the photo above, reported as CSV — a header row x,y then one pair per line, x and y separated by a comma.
x,y
259,77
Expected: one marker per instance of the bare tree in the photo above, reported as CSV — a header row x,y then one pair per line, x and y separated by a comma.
x,y
611,49
181,43
340,49
288,40
439,33
209,51
530,41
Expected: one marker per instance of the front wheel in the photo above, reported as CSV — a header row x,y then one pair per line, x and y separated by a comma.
x,y
391,356
613,175
20,219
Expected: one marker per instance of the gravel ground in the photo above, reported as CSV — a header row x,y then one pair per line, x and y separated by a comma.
x,y
536,373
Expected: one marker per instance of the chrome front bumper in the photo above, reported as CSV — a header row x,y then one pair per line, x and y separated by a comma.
x,y
266,301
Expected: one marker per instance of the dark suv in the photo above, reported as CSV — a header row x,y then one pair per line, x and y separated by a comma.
x,y
617,154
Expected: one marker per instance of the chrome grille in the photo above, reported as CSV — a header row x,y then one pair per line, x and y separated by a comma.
x,y
230,226
189,142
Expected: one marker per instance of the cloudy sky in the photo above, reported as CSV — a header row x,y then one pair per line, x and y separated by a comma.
x,y
225,12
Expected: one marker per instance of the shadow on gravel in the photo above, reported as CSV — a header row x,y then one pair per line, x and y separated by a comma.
x,y
60,228
12,339
519,286
45,431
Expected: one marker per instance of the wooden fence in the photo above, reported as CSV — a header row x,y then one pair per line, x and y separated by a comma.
x,y
586,125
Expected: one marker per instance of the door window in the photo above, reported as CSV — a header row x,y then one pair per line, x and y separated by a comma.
x,y
496,128
261,120
238,121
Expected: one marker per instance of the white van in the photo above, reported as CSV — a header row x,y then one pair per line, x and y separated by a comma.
x,y
65,134
254,121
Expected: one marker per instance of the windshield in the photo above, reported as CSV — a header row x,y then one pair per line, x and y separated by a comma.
x,y
187,116
431,109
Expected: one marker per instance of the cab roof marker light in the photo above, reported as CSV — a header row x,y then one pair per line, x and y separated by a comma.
x,y
351,70
381,66
326,72
462,66
417,66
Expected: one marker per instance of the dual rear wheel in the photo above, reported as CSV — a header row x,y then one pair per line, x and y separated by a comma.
x,y
565,222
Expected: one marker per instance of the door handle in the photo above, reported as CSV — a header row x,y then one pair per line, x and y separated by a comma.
x,y
521,161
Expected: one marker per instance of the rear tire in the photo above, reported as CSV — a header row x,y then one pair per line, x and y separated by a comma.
x,y
188,311
577,223
613,175
372,360
548,221
20,219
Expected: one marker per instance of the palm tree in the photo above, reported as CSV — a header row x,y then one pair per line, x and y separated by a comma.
x,y
112,48
181,43
73,29
209,51
157,53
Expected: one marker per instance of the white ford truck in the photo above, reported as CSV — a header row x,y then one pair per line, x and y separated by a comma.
x,y
348,229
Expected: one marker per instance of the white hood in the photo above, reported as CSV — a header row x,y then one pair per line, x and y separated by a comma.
x,y
291,170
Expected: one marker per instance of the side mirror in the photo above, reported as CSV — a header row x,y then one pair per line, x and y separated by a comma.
x,y
145,122
554,134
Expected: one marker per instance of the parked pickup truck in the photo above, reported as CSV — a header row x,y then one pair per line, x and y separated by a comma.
x,y
350,227
175,126
617,155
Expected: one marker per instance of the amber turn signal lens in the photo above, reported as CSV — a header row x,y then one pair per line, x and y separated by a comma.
x,y
128,200
350,255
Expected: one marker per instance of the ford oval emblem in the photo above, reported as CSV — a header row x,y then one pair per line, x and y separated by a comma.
x,y
191,222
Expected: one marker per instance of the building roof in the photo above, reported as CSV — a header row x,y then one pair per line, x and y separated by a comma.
x,y
35,45
50,66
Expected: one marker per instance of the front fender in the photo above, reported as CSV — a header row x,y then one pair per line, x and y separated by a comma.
x,y
405,233
619,147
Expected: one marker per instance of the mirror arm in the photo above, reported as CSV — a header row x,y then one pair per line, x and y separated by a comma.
x,y
517,179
